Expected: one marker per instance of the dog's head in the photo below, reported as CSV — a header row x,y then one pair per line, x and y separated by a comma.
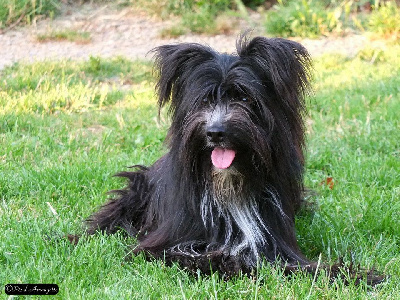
x,y
242,111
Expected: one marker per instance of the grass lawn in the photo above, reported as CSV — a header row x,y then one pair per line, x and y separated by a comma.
x,y
67,127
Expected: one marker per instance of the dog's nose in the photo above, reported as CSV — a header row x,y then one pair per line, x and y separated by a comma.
x,y
216,133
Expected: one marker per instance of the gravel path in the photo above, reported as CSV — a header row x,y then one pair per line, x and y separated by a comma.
x,y
131,34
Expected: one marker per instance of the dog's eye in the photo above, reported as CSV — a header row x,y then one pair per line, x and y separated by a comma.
x,y
242,99
204,100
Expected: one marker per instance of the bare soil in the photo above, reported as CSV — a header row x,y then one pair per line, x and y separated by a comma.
x,y
132,34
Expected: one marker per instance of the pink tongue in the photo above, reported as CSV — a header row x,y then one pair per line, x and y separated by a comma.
x,y
222,158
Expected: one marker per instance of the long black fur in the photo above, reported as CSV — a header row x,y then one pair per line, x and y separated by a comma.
x,y
182,209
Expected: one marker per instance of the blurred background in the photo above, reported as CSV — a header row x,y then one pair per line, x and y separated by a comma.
x,y
33,29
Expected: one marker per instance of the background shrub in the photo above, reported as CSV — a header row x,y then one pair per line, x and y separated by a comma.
x,y
306,18
385,20
198,16
25,10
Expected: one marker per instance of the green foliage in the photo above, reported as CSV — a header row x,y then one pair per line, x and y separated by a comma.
x,y
254,3
202,19
79,37
67,127
372,55
311,18
305,18
385,20
25,10
168,8
179,7
197,16
173,31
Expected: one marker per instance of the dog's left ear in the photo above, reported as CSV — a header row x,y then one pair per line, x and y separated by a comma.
x,y
284,63
175,64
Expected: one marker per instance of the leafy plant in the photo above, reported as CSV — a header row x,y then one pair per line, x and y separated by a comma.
x,y
305,18
311,18
385,20
24,11
206,18
198,16
372,55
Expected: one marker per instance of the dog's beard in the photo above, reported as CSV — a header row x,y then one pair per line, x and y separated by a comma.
x,y
227,200
227,186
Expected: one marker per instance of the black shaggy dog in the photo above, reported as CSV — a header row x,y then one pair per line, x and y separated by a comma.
x,y
225,195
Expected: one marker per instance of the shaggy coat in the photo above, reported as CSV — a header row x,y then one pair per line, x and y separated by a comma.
x,y
190,209
225,195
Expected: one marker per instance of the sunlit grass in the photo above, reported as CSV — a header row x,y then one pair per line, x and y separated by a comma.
x,y
79,37
385,20
13,12
67,127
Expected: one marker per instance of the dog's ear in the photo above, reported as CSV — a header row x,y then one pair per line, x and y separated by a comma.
x,y
175,64
284,63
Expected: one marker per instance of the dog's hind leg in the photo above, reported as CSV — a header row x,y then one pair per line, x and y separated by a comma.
x,y
126,210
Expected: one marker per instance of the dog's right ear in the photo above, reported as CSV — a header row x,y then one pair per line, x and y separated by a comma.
x,y
284,63
175,64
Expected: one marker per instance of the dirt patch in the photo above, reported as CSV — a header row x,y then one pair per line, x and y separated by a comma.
x,y
132,34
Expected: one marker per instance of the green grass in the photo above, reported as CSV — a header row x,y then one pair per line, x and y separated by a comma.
x,y
308,18
24,11
67,127
385,21
79,37
201,17
311,18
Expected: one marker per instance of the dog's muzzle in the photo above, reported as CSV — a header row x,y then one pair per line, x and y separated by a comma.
x,y
216,134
